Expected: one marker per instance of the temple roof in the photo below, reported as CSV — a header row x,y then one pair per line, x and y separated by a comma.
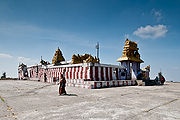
x,y
133,59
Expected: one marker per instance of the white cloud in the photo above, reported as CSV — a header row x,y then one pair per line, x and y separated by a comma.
x,y
27,61
152,32
2,55
157,14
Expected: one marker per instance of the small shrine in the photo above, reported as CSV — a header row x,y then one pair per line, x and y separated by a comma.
x,y
131,58
22,71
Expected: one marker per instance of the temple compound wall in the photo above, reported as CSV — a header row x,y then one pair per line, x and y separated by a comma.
x,y
85,75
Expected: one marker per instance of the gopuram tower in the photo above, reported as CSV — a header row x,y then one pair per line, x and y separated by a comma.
x,y
58,57
131,58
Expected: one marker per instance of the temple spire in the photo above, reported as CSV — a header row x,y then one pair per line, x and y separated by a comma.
x,y
58,57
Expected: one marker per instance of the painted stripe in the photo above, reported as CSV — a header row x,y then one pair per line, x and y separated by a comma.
x,y
127,83
64,70
122,83
107,78
102,74
94,79
118,83
99,73
95,85
132,83
91,73
111,74
113,83
67,75
104,71
117,74
70,72
107,84
73,72
73,77
96,73
56,73
82,72
86,71
77,73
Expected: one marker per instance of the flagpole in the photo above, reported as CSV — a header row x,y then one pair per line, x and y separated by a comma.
x,y
97,47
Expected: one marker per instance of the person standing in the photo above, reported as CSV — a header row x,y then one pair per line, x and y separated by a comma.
x,y
62,85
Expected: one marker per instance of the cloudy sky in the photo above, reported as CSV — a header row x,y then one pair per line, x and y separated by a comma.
x,y
30,29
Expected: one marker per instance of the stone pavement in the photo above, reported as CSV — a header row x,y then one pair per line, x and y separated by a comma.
x,y
30,100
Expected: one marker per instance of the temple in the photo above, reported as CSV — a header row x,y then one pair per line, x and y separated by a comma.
x,y
86,71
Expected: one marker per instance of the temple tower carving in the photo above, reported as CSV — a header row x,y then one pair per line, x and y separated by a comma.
x,y
58,57
86,58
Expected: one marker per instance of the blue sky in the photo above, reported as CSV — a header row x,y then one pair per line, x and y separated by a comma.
x,y
33,28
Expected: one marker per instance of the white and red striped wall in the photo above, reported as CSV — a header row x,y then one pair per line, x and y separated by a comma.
x,y
78,74
104,73
85,71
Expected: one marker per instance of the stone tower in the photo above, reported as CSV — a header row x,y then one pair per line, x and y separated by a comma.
x,y
130,58
58,57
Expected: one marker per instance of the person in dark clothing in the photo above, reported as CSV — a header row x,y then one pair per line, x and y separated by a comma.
x,y
162,80
62,85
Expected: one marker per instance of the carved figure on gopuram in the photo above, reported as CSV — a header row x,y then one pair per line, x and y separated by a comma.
x,y
86,58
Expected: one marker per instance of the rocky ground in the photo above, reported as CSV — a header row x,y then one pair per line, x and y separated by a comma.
x,y
30,100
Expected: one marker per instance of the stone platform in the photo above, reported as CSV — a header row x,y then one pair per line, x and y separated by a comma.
x,y
100,84
32,100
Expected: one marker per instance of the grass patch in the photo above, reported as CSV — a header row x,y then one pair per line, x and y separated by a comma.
x,y
2,99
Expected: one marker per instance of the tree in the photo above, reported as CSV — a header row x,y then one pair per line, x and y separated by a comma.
x,y
3,75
